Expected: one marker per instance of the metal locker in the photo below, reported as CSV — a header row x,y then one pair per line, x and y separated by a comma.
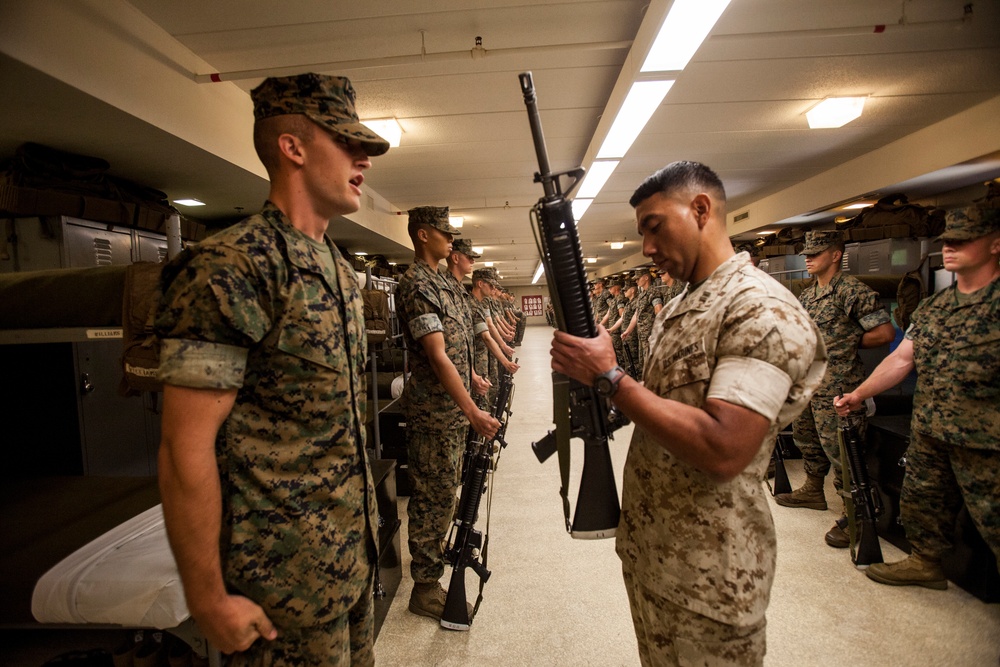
x,y
87,243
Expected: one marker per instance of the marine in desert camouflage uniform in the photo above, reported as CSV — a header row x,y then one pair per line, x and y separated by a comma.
x,y
439,407
267,493
850,317
953,457
696,538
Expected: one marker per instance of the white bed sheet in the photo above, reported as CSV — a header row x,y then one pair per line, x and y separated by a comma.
x,y
125,577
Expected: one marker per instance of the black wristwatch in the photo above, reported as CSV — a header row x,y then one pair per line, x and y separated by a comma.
x,y
606,384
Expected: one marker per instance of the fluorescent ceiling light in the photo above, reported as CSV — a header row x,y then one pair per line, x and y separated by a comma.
x,y
835,112
387,128
580,207
189,202
591,260
487,264
596,177
456,221
685,28
617,245
538,273
361,253
477,249
858,205
638,107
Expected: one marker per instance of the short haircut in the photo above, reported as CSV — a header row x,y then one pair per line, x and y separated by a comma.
x,y
677,176
413,226
267,130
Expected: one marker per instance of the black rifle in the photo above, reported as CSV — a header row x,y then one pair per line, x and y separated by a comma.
x,y
781,483
466,545
578,410
864,502
629,362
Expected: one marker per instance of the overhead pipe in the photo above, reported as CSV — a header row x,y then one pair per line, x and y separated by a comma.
x,y
849,31
476,53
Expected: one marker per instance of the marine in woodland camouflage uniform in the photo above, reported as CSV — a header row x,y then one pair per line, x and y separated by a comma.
x,y
648,305
953,457
480,353
631,344
696,538
431,303
600,299
267,317
616,306
850,317
428,302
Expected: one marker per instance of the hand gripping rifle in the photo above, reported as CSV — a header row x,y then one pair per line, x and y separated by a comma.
x,y
467,547
578,410
864,502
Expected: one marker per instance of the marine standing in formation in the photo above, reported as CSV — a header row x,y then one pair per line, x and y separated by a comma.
x,y
696,538
439,406
850,317
267,494
953,342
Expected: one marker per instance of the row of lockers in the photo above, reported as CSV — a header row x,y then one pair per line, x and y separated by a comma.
x,y
52,243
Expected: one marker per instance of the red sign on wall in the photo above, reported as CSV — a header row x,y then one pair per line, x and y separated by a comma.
x,y
532,305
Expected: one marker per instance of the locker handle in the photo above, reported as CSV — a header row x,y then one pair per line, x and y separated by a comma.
x,y
86,386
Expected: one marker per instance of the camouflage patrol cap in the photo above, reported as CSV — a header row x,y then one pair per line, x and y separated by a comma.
x,y
326,100
817,242
599,281
435,216
971,222
643,271
630,284
464,246
485,275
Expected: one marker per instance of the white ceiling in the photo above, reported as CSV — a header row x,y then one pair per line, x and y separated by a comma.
x,y
122,80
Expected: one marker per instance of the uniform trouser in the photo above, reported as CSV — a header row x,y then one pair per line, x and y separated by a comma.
x,y
616,340
632,342
815,432
519,329
435,460
347,641
643,352
939,477
494,377
671,635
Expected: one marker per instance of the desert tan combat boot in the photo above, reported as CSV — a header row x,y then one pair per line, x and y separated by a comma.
x,y
915,570
427,600
810,495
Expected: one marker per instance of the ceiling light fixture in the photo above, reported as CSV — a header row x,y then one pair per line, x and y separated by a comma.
x,y
456,221
387,128
617,245
682,33
538,273
835,112
591,260
596,177
477,249
360,253
639,105
862,204
580,207
487,264
189,202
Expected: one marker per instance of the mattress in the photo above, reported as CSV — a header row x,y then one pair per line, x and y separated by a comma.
x,y
127,576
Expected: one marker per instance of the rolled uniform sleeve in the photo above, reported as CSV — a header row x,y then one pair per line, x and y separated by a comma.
x,y
209,317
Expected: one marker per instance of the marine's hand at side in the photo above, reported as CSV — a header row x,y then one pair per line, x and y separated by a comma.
x,y
235,623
